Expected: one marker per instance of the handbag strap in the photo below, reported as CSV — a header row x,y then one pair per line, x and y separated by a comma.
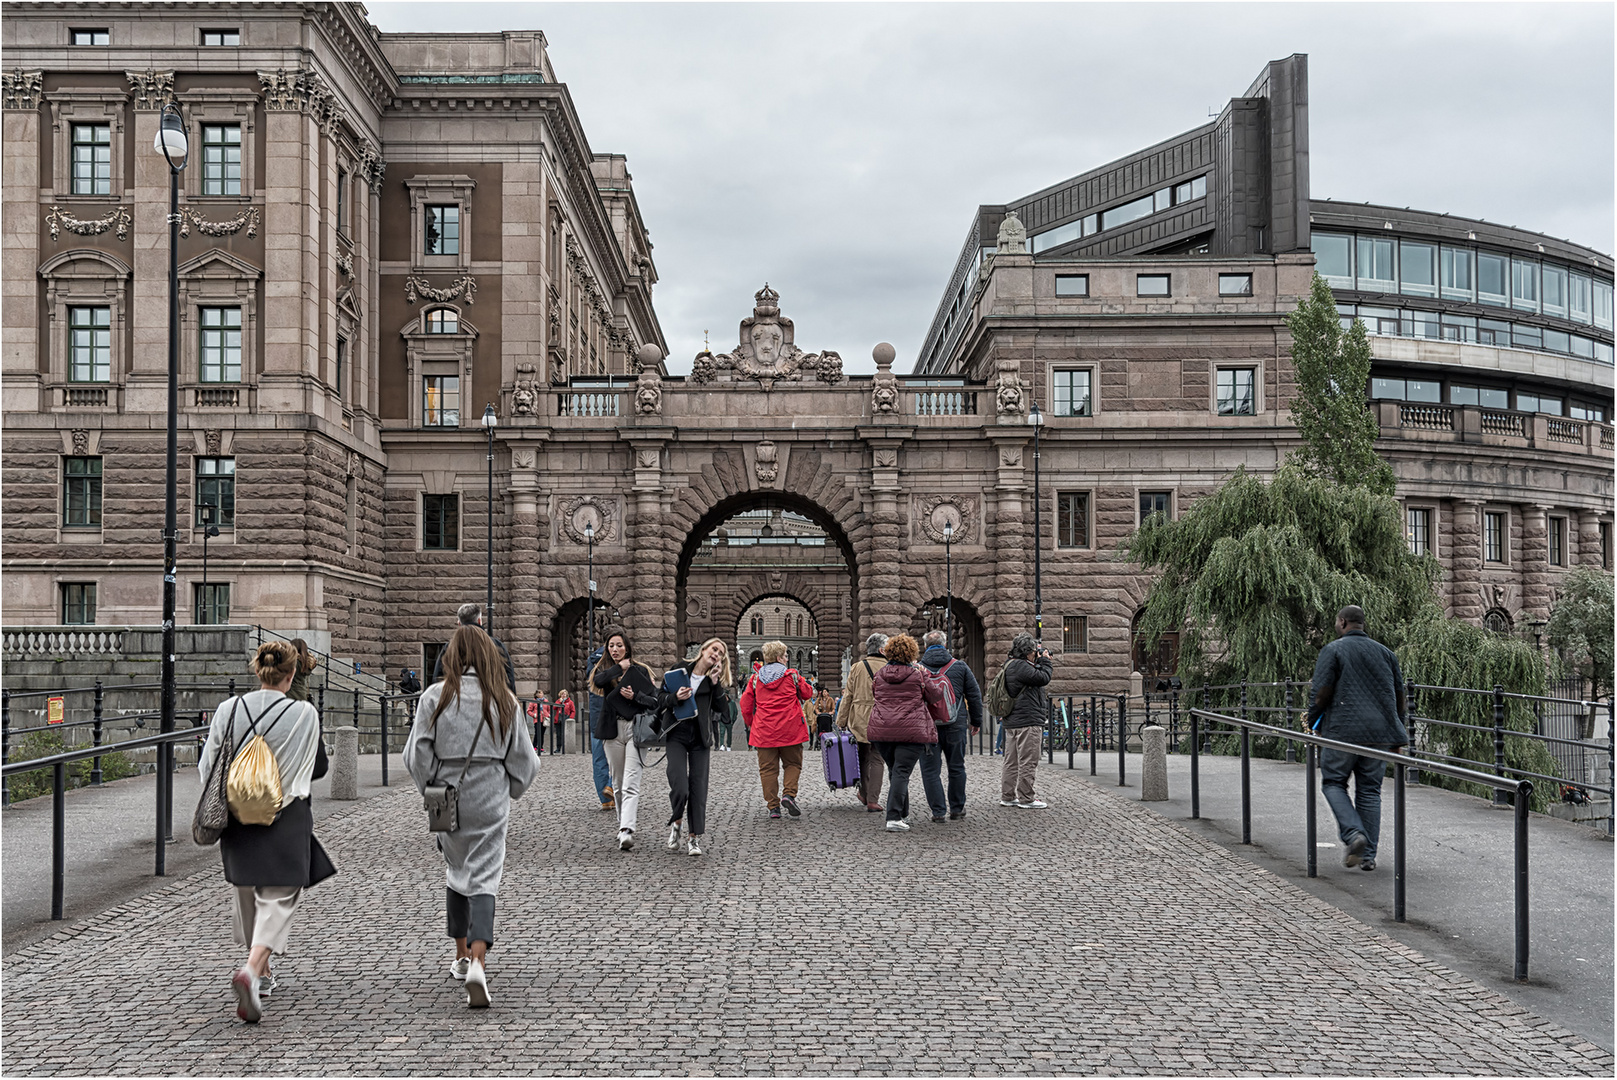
x,y
462,777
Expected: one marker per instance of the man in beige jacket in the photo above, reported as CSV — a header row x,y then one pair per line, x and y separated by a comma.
x,y
853,715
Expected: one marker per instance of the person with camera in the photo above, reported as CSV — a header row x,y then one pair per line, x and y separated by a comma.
x,y
466,735
627,687
1027,673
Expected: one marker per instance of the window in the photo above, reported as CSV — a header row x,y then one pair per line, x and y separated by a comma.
x,y
1075,633
1236,391
1333,259
1538,403
221,37
1072,392
1602,293
1122,215
216,487
1524,284
221,159
1603,353
1154,502
78,603
1061,234
1580,297
1497,621
1418,529
1458,268
1554,290
1419,265
1557,526
1161,200
443,230
89,344
1605,546
1072,519
81,492
440,522
1379,320
1151,285
1556,341
1072,284
1422,390
440,403
211,604
1486,396
90,37
1235,284
92,159
342,362
1190,189
1526,337
1580,346
1492,271
1422,324
221,344
443,321
1494,535
1582,410
1376,270
342,200
1459,328
1493,332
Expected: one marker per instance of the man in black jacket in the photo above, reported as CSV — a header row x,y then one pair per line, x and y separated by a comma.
x,y
472,615
951,744
1027,673
1358,697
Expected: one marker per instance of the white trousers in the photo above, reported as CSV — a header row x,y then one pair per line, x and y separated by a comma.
x,y
627,764
263,915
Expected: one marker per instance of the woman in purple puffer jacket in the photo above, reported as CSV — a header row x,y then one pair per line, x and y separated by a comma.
x,y
900,726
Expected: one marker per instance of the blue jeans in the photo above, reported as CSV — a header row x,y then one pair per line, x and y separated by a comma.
x,y
999,740
1361,814
951,748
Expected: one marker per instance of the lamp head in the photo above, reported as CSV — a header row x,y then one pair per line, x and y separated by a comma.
x,y
206,512
1034,416
171,140
948,530
589,530
213,530
489,419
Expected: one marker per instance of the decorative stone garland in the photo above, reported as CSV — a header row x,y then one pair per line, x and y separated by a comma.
x,y
59,219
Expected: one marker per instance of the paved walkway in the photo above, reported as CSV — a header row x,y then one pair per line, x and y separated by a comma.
x,y
1093,937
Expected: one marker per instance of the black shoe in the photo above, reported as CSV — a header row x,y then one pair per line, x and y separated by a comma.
x,y
957,815
1355,850
791,805
774,814
1367,864
939,818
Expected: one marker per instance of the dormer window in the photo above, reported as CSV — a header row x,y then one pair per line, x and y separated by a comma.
x,y
441,321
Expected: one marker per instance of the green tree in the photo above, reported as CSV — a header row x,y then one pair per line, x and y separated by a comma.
x,y
1580,625
1332,416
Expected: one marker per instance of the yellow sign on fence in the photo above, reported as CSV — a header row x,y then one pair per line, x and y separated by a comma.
x,y
53,710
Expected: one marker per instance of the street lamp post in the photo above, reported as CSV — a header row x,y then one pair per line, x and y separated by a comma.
x,y
948,584
172,143
589,610
490,422
1036,418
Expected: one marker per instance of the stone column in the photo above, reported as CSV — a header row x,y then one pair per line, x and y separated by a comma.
x,y
1465,561
20,220
1588,539
1535,567
291,253
1009,612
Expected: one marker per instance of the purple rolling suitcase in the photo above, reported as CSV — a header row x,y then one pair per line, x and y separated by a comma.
x,y
840,755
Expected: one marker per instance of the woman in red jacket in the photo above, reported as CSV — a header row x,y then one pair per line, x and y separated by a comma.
x,y
900,726
773,710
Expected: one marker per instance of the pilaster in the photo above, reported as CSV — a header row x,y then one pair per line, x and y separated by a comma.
x,y
19,242
1465,561
1535,567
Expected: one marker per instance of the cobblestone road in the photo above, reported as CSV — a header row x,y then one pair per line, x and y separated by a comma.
x,y
1116,943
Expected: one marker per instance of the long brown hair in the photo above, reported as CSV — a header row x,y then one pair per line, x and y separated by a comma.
x,y
471,649
606,660
306,660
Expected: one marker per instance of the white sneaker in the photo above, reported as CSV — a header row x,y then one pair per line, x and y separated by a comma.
x,y
673,836
457,970
1007,802
476,986
898,826
625,840
693,845
1036,804
244,984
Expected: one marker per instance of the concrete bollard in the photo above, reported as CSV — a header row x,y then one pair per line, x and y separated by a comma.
x,y
1154,764
345,764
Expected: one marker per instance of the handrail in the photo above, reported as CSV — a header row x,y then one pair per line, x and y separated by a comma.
x,y
1522,788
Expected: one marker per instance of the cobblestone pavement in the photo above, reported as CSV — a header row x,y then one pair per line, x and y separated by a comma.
x,y
1091,937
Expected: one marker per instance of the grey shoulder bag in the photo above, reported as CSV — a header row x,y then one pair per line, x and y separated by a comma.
x,y
213,809
442,801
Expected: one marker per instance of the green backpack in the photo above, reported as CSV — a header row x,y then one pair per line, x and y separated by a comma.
x,y
998,699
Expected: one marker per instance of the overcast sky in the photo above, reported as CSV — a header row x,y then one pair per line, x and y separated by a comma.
x,y
838,151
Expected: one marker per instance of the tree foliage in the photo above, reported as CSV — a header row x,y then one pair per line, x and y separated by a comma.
x,y
1580,625
1330,410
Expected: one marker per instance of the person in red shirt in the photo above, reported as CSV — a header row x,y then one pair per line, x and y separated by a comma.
x,y
772,706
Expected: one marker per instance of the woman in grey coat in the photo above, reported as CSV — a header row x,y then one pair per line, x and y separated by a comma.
x,y
466,735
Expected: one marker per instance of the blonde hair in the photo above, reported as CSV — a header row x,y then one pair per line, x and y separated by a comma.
x,y
726,676
774,651
274,661
902,649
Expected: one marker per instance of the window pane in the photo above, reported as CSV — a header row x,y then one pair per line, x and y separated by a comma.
x,y
211,604
443,230
1491,273
1075,633
1602,295
1526,337
1387,389
441,404
1421,324
440,522
1581,346
1419,268
1333,259
1151,284
221,159
1489,398
1071,393
1235,284
81,491
1557,541
1579,297
1072,519
89,344
216,487
1462,395
1376,270
1072,284
1458,277
92,159
1524,284
221,345
78,604
1554,297
1161,200
1419,528
1493,332
1236,391
1493,535
1122,215
1062,234
1425,390
443,321
1556,341
1153,502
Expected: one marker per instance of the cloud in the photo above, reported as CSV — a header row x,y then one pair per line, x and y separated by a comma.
x,y
839,151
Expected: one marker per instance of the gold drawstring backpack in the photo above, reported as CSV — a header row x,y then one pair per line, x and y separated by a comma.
x,y
253,787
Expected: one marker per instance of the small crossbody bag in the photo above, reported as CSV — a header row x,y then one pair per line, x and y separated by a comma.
x,y
442,801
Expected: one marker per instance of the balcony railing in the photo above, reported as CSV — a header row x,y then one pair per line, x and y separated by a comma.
x,y
587,403
945,403
1427,417
1470,424
1567,431
1504,423
94,397
218,397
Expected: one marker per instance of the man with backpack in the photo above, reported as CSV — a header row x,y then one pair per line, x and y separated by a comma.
x,y
1017,693
965,701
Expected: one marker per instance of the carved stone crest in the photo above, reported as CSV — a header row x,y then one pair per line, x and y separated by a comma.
x,y
766,351
940,510
1012,238
830,367
81,442
1009,401
704,369
766,462
117,218
589,510
525,396
345,263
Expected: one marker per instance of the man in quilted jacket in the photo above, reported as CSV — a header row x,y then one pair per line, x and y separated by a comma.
x,y
1358,697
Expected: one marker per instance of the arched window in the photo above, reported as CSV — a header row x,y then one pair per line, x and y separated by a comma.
x,y
441,321
1498,621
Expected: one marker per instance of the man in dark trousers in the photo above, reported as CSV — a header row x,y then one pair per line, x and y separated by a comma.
x,y
472,615
950,749
1358,697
